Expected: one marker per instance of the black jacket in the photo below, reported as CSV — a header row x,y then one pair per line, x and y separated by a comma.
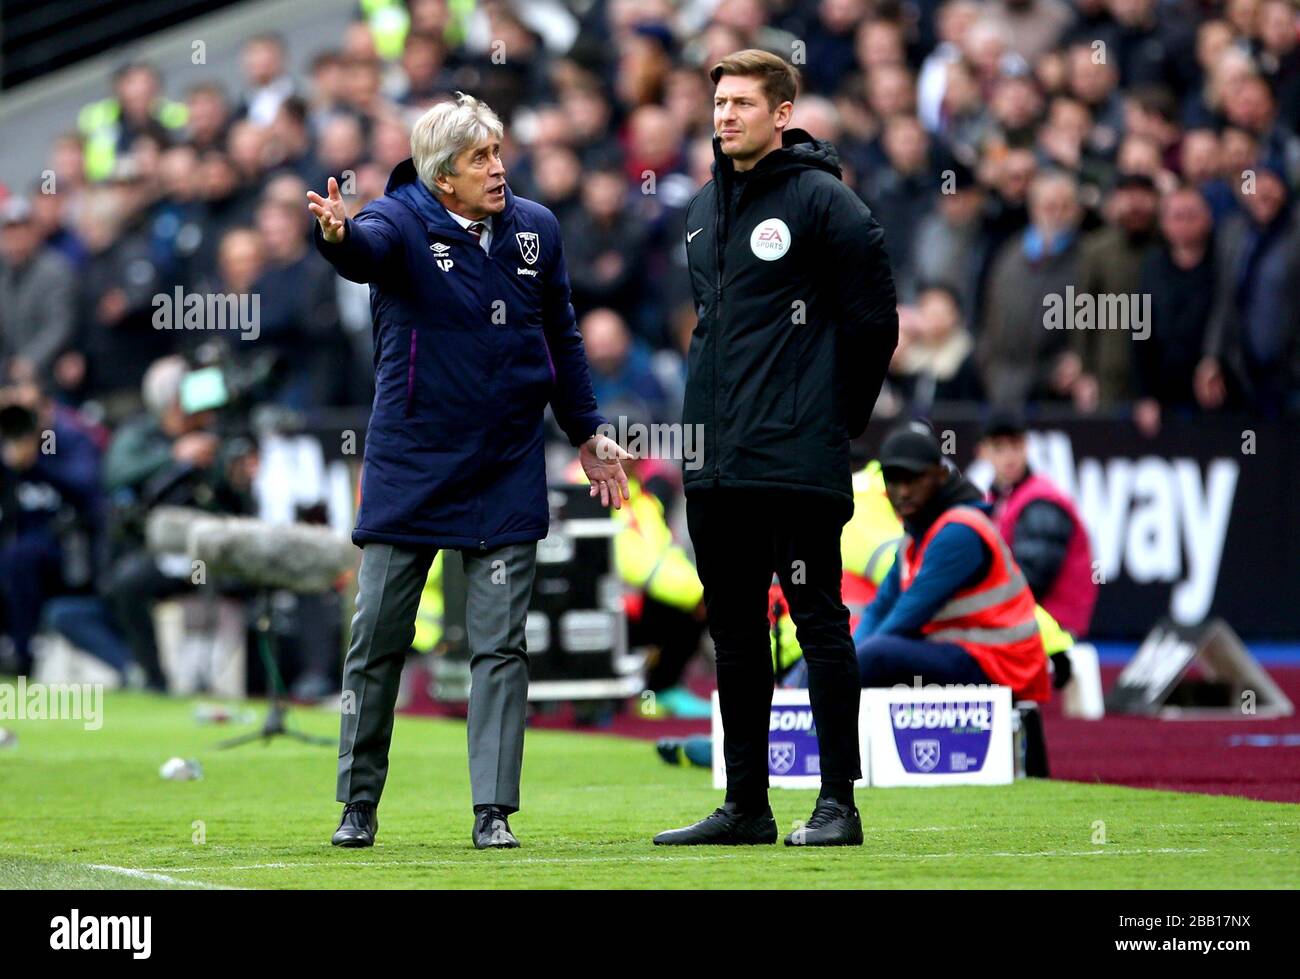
x,y
1041,539
797,322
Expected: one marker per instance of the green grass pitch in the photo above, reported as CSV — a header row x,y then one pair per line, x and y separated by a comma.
x,y
88,809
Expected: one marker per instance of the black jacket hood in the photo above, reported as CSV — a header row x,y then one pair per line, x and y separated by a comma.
x,y
799,151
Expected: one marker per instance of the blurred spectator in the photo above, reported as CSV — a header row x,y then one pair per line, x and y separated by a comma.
x,y
207,117
1110,265
954,19
1251,344
936,356
50,212
1094,82
290,144
622,375
1007,213
604,243
266,82
51,512
1042,527
37,297
1201,159
1019,356
901,194
342,145
299,320
951,243
589,116
1033,26
1250,105
424,73
1277,49
136,106
1150,42
326,88
1180,277
830,44
1016,106
117,298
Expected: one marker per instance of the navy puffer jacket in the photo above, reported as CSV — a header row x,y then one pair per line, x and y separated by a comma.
x,y
469,349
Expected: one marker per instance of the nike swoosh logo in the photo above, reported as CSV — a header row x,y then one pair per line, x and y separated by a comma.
x,y
691,234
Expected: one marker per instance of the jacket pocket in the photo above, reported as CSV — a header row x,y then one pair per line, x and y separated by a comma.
x,y
410,375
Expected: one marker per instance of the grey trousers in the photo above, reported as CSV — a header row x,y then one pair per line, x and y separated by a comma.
x,y
499,583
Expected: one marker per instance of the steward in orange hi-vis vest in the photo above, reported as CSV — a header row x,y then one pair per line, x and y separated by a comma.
x,y
993,619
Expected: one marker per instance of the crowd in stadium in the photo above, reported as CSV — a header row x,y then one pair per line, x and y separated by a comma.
x,y
1013,150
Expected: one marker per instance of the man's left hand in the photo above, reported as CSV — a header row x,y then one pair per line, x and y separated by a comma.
x,y
601,459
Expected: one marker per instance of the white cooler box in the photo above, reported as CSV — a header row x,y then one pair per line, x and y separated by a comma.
x,y
940,736
908,736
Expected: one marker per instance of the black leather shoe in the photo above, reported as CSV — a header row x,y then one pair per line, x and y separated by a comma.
x,y
727,826
359,825
830,824
492,830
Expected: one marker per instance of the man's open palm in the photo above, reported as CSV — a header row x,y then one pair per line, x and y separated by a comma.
x,y
331,213
601,458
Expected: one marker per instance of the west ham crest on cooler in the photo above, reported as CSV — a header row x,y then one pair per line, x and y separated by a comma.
x,y
925,754
780,757
528,246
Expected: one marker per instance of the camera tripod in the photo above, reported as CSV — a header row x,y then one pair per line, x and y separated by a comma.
x,y
274,724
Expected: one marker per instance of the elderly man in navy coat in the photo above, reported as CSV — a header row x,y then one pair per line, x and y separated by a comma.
x,y
474,336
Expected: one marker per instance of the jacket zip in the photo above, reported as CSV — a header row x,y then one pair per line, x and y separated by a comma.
x,y
717,315
410,374
490,270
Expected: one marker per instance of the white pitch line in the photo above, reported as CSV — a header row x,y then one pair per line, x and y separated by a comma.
x,y
151,875
467,862
1101,850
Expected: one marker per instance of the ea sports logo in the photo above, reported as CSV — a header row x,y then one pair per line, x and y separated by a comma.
x,y
770,240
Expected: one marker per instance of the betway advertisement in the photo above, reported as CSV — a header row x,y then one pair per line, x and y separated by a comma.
x,y
1194,522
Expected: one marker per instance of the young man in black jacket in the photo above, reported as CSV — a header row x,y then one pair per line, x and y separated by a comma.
x,y
797,323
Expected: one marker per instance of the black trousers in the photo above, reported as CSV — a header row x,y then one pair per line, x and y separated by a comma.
x,y
741,538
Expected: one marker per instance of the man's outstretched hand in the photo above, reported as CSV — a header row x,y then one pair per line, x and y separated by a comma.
x,y
601,459
331,213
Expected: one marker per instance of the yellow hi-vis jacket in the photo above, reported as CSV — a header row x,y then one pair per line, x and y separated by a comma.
x,y
871,536
428,617
646,556
100,125
389,23
868,544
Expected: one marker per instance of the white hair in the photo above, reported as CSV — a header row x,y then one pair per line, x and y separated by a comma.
x,y
446,131
161,387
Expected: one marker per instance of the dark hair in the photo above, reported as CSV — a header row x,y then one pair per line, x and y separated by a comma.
x,y
326,59
295,107
267,37
215,89
780,78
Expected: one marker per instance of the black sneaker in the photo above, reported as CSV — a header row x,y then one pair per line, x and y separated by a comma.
x,y
670,750
492,830
830,824
359,825
727,826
